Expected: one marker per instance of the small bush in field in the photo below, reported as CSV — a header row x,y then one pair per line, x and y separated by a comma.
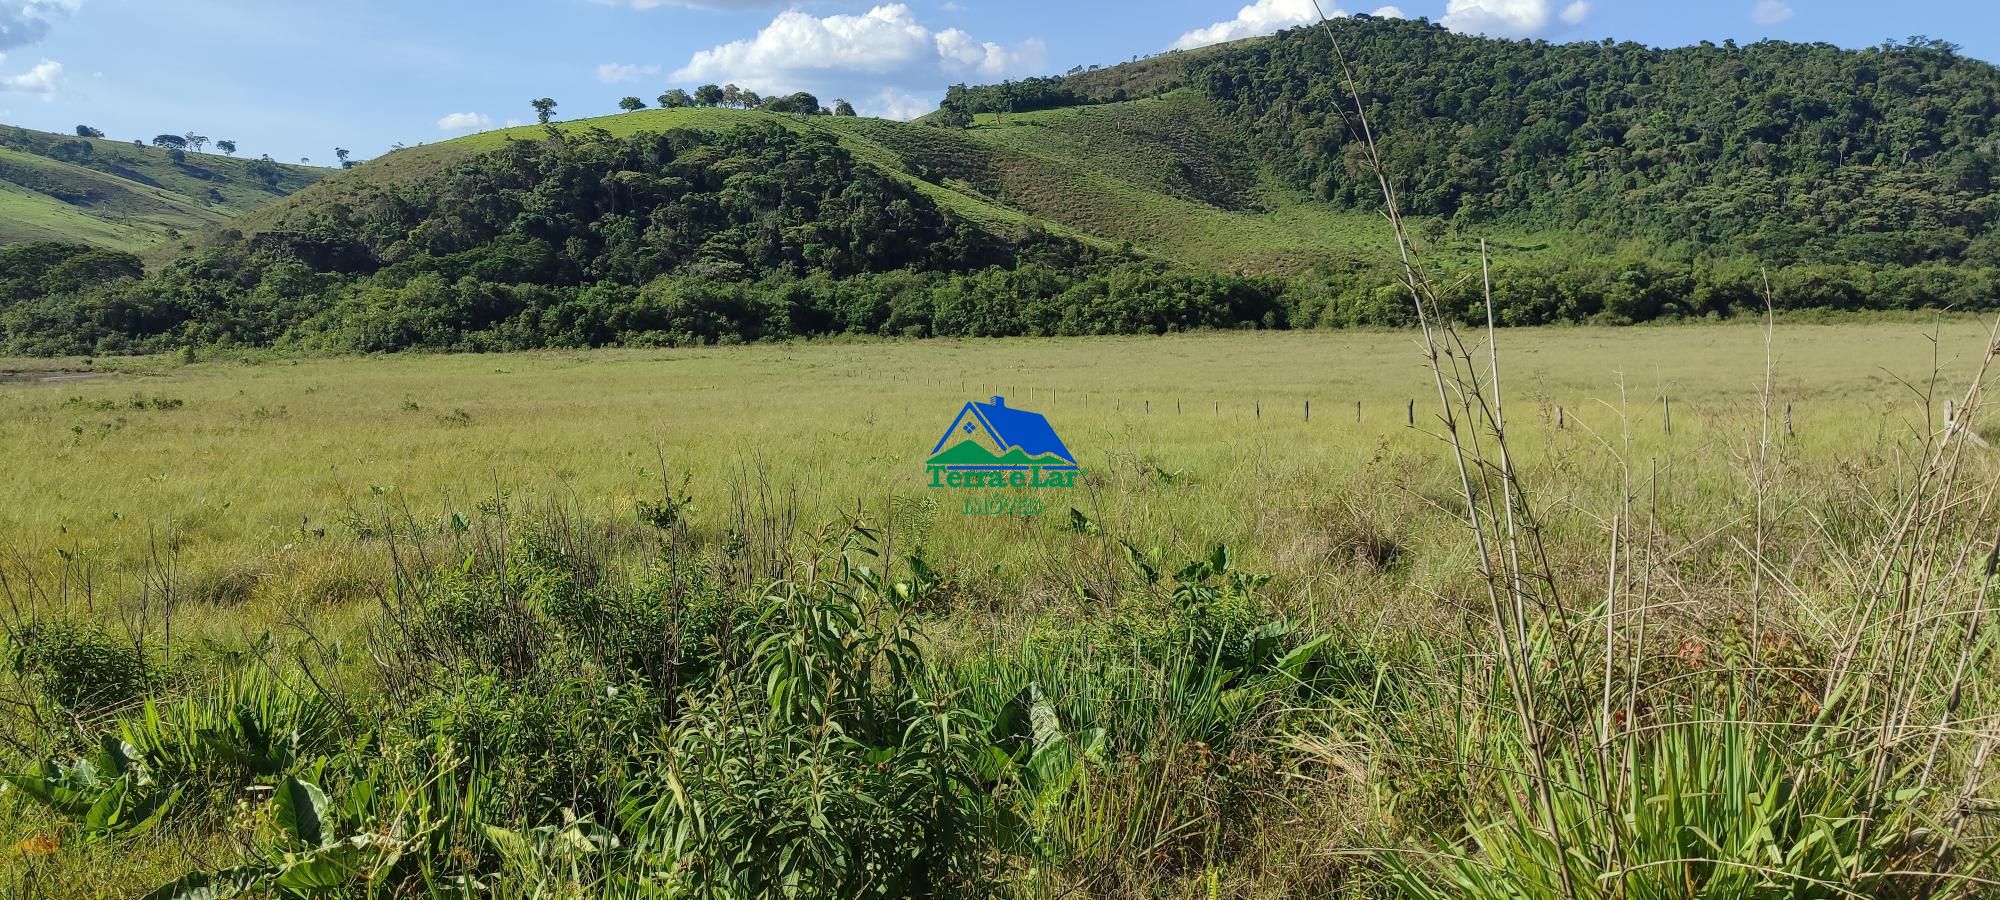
x,y
81,667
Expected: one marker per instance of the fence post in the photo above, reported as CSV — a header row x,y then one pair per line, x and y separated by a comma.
x,y
1670,418
1309,412
1562,421
1413,413
1260,409
1788,420
1149,407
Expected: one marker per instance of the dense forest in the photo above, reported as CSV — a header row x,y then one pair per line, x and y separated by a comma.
x,y
1852,179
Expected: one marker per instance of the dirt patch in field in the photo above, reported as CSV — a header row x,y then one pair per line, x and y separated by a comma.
x,y
50,376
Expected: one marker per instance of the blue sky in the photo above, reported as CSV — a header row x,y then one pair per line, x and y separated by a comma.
x,y
295,80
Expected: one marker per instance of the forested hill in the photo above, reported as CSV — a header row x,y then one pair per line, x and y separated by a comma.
x,y
1217,188
1787,151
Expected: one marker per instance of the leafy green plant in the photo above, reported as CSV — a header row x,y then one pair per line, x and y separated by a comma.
x,y
833,764
308,857
112,793
247,724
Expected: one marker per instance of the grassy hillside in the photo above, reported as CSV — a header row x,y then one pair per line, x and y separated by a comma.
x,y
122,196
1163,174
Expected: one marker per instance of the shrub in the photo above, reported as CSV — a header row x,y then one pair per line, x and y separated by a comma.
x,y
81,667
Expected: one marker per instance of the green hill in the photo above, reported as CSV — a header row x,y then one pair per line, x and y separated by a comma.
x,y
1218,188
121,196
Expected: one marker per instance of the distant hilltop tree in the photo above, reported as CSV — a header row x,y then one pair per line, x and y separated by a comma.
x,y
732,95
751,100
340,153
86,131
173,141
545,109
631,104
708,95
228,148
196,141
843,108
801,103
676,99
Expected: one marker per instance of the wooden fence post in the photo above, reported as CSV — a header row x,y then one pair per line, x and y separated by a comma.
x,y
1309,412
1562,419
1670,418
1260,409
1413,413
1788,420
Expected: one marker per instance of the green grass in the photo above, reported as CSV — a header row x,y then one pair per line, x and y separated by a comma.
x,y
257,492
259,452
123,196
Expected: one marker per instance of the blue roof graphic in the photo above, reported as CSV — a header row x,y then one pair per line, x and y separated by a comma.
x,y
1012,427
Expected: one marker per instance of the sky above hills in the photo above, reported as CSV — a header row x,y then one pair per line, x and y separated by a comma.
x,y
296,80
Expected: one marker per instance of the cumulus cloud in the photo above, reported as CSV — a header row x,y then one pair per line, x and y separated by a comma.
x,y
798,50
960,52
613,73
465,121
894,104
24,22
1267,17
1261,17
43,80
1770,12
1509,18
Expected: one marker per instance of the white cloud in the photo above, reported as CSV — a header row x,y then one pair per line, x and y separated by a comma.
x,y
613,73
43,79
1770,12
799,50
894,104
961,53
1508,18
1390,12
465,121
24,22
1261,17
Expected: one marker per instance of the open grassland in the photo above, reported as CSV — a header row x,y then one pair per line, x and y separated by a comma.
x,y
487,580
1191,439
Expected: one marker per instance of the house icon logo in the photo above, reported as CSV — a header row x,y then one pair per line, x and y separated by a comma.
x,y
993,445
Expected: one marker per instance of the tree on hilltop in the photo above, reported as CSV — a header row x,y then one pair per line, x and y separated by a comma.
x,y
708,95
676,99
631,104
545,109
843,108
86,131
227,147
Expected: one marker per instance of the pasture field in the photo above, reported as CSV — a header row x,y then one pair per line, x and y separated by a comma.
x,y
230,520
